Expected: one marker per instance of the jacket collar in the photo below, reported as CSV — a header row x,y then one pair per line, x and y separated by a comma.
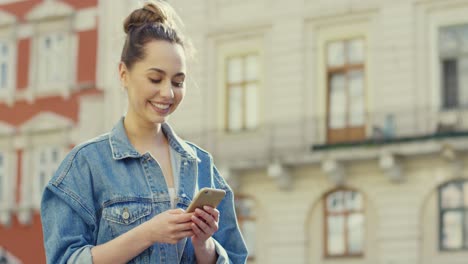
x,y
122,148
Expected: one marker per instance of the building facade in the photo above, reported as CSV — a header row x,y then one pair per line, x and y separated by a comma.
x,y
341,125
49,101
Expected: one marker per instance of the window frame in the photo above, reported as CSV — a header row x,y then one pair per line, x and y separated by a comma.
x,y
428,23
345,213
441,211
453,57
350,130
45,87
49,168
46,80
7,37
8,203
227,46
319,33
243,85
45,129
46,18
345,69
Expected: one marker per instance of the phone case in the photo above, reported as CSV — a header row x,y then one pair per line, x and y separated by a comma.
x,y
206,196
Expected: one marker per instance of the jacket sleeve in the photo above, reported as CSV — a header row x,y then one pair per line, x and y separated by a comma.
x,y
68,221
229,243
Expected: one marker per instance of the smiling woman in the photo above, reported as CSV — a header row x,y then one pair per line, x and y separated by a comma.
x,y
155,85
121,197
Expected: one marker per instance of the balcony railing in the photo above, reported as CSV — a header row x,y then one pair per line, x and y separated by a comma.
x,y
306,134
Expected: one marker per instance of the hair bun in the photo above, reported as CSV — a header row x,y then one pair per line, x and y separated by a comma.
x,y
150,13
157,10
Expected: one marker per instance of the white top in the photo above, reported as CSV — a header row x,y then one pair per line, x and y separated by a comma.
x,y
172,195
175,173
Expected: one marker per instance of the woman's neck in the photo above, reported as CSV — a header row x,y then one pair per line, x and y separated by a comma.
x,y
144,136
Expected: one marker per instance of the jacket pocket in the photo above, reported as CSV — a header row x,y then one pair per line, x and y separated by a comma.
x,y
121,217
126,213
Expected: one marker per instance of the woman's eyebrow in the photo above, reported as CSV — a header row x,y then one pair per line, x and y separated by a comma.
x,y
163,72
179,74
158,70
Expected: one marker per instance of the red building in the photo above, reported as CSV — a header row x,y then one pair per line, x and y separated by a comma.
x,y
48,58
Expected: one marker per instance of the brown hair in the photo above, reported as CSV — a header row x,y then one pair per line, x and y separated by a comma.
x,y
154,21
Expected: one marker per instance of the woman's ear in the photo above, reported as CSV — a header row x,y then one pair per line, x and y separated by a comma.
x,y
123,74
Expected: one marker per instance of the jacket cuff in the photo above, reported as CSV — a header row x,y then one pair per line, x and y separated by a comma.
x,y
81,256
223,257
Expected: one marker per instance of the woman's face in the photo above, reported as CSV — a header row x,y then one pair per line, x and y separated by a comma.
x,y
156,84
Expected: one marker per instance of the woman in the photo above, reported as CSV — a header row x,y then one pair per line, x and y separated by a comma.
x,y
121,197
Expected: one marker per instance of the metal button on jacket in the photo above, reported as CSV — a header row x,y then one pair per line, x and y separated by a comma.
x,y
125,214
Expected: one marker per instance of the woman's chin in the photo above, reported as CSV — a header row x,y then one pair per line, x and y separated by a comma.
x,y
158,119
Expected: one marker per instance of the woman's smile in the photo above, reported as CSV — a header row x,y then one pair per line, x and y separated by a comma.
x,y
160,108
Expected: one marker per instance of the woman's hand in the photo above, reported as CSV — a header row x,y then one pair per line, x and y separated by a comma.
x,y
169,226
205,224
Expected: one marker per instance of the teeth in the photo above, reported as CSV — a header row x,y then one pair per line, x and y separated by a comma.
x,y
161,106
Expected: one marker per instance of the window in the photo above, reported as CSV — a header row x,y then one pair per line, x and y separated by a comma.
x,y
242,91
453,53
345,75
53,53
453,207
6,70
47,161
245,210
344,223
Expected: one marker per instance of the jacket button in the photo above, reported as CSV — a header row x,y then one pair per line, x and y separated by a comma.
x,y
125,214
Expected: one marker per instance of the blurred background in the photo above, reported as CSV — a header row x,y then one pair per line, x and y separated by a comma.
x,y
341,125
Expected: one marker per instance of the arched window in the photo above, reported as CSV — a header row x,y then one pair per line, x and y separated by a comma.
x,y
246,216
344,223
453,216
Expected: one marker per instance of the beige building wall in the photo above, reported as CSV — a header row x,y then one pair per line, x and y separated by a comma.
x,y
402,77
401,218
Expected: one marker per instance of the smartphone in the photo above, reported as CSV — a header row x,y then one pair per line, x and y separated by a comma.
x,y
206,196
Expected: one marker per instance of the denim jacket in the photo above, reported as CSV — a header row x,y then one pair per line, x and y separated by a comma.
x,y
104,188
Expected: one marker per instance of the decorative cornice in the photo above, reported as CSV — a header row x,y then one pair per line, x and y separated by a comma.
x,y
335,171
280,174
452,158
6,129
5,217
6,19
49,9
392,166
46,121
85,19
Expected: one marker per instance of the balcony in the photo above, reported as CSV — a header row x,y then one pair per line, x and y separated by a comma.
x,y
308,139
404,126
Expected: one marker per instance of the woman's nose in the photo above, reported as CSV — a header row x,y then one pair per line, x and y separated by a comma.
x,y
166,90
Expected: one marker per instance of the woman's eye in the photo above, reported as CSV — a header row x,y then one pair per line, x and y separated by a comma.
x,y
154,81
178,84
